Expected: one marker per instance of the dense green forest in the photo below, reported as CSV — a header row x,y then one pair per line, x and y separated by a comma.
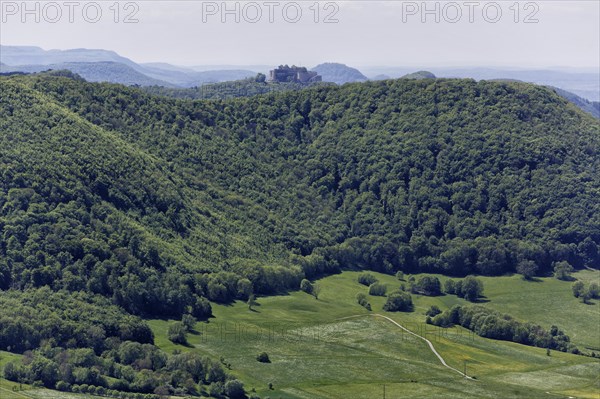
x,y
154,206
105,187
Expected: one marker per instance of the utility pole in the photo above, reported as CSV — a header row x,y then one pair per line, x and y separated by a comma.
x,y
383,391
465,369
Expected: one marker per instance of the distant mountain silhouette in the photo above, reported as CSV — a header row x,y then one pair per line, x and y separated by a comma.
x,y
102,71
107,66
419,75
339,73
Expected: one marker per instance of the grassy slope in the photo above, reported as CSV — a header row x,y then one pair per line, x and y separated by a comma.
x,y
549,301
317,353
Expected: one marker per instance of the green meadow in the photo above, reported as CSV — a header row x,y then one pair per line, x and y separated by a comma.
x,y
334,348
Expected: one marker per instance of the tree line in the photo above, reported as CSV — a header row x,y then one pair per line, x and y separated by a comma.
x,y
491,324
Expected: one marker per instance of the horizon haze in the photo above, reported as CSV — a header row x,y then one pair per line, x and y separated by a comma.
x,y
529,35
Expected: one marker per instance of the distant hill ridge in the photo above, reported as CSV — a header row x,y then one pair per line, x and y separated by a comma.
x,y
339,73
81,61
419,75
99,71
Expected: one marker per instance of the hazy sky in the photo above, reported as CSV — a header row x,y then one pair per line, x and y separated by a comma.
x,y
361,33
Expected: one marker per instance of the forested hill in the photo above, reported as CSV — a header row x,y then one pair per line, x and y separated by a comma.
x,y
157,203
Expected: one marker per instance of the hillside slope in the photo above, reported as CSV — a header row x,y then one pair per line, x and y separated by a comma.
x,y
84,209
109,189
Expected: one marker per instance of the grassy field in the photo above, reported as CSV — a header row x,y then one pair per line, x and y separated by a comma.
x,y
334,348
549,301
318,350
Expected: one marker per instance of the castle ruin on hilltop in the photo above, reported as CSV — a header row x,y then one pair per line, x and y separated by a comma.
x,y
293,74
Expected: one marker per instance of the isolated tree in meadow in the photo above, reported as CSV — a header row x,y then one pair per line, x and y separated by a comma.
x,y
377,289
176,333
527,268
361,298
188,322
400,275
367,279
251,301
306,286
398,301
471,288
578,288
585,296
263,357
316,290
563,270
593,290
